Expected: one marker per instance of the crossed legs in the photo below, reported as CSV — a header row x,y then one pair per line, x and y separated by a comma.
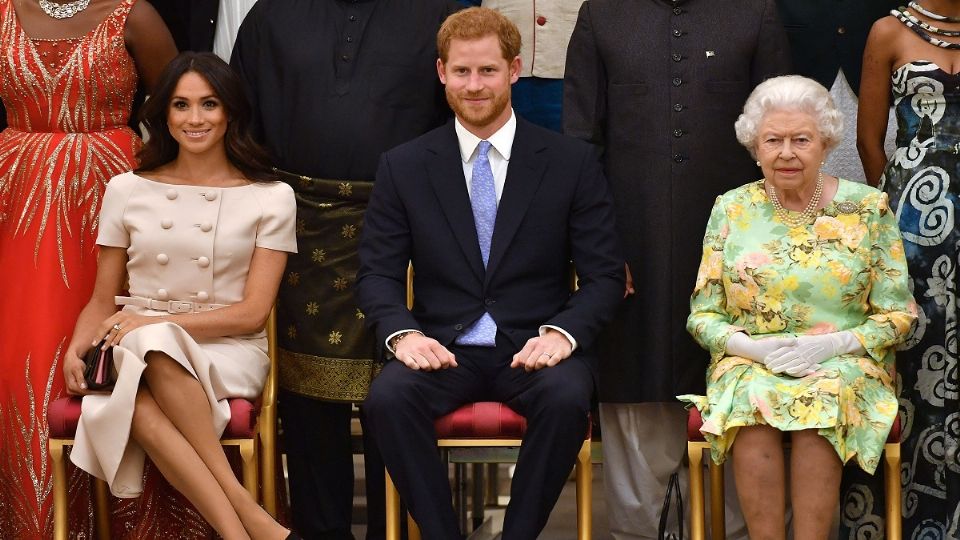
x,y
172,421
758,467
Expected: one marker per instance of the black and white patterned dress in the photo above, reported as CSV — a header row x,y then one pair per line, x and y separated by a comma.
x,y
922,179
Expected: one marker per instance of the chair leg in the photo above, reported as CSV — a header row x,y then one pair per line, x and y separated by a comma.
x,y
248,457
718,525
476,498
413,530
393,509
460,494
697,525
268,468
102,505
584,492
59,490
891,471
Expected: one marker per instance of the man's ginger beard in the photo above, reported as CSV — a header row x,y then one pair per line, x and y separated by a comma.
x,y
472,116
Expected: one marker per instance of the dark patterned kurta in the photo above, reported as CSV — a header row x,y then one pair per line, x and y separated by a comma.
x,y
923,181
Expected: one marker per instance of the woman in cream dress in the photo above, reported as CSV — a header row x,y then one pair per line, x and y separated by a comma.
x,y
200,234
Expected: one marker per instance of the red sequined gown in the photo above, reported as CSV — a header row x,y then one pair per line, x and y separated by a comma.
x,y
68,102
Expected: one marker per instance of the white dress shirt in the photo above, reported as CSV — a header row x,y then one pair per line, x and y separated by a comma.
x,y
501,143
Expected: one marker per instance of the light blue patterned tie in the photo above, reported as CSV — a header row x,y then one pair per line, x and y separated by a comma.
x,y
483,198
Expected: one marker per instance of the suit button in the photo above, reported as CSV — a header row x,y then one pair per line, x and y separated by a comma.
x,y
677,11
678,133
162,258
676,57
210,196
677,107
841,30
203,296
171,194
677,32
458,327
541,20
678,158
166,223
677,81
162,294
206,226
353,18
489,301
203,262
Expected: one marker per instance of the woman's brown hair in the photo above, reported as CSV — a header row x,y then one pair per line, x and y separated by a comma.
x,y
243,151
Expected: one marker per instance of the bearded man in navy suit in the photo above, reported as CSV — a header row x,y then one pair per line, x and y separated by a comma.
x,y
491,210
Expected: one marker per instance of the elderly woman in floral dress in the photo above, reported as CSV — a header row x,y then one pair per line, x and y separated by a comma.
x,y
801,298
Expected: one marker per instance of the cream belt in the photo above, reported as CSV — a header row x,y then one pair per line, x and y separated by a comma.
x,y
170,306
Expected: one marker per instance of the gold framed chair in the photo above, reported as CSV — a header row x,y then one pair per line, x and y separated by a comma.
x,y
252,429
696,445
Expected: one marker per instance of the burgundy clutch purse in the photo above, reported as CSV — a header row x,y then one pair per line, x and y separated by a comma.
x,y
98,370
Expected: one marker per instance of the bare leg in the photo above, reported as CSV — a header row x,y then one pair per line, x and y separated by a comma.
x,y
183,401
181,466
814,484
759,473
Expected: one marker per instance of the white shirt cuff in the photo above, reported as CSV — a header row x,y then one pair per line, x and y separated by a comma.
x,y
397,333
573,342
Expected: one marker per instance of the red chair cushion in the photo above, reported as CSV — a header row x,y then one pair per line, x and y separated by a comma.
x,y
243,419
695,421
485,420
481,420
63,415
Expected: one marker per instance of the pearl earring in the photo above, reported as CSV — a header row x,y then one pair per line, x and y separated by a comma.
x,y
758,163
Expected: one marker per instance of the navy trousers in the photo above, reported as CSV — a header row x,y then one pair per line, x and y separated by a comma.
x,y
403,404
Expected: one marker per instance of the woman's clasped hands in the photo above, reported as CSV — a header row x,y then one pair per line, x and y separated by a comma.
x,y
795,356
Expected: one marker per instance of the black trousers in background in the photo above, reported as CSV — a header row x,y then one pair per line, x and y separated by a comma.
x,y
403,404
320,467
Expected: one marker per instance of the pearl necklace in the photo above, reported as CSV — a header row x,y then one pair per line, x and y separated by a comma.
x,y
63,11
808,212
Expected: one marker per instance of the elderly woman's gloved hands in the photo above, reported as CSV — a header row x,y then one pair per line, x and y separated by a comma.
x,y
804,357
742,345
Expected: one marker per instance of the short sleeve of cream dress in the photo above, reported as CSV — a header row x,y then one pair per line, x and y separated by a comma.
x,y
186,246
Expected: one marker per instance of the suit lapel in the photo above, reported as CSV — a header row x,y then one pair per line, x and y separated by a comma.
x,y
445,171
528,162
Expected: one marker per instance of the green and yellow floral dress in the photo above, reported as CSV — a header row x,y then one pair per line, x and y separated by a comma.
x,y
844,271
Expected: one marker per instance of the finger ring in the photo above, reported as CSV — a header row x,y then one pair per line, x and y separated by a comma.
x,y
548,355
116,327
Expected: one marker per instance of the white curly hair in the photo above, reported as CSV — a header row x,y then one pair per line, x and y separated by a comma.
x,y
790,93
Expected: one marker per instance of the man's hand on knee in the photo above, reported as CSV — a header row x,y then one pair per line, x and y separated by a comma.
x,y
418,351
543,351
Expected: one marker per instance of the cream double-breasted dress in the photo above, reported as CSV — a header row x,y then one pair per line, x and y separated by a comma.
x,y
186,244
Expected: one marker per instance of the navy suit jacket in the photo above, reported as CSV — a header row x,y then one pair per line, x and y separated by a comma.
x,y
555,208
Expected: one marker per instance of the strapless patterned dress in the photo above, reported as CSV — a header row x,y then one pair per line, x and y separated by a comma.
x,y
922,180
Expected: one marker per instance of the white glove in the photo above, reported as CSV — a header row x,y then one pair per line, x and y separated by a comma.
x,y
740,344
804,358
